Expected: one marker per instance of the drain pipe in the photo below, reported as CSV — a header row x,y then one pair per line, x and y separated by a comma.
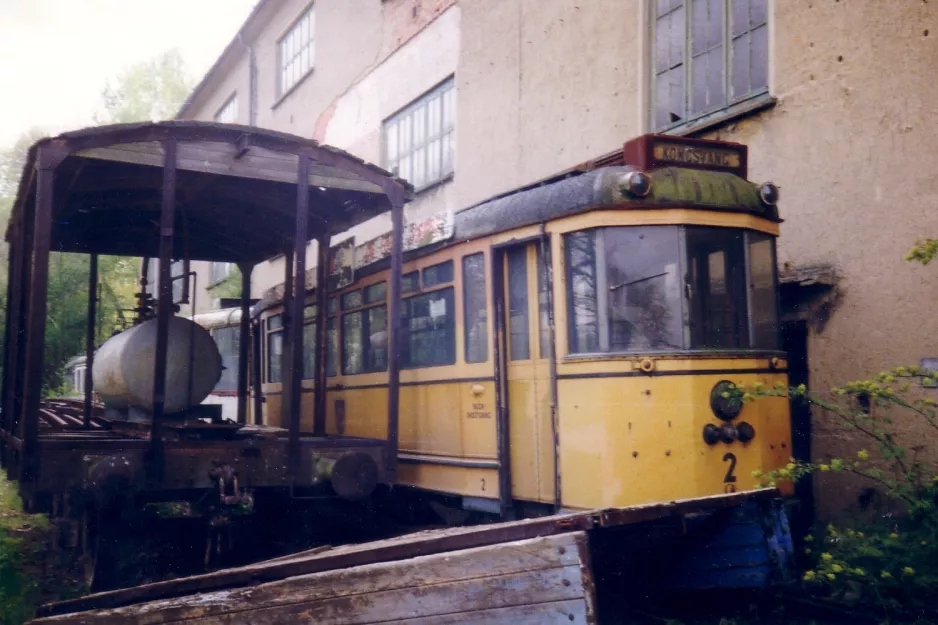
x,y
252,81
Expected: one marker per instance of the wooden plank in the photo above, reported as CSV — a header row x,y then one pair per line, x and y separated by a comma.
x,y
573,611
524,573
411,545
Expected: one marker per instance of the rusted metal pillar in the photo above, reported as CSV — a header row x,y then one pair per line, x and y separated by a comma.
x,y
164,310
18,332
46,160
89,346
295,331
244,341
394,325
322,347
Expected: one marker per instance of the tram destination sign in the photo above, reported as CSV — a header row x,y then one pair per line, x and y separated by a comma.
x,y
652,151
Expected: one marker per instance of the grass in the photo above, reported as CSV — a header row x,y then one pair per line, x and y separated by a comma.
x,y
23,545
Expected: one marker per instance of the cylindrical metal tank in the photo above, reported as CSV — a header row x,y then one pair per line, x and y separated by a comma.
x,y
123,366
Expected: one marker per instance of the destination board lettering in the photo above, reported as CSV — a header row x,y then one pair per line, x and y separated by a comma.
x,y
691,155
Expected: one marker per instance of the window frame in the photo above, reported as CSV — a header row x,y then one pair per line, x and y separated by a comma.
x,y
451,319
268,360
683,267
284,90
753,101
361,309
445,174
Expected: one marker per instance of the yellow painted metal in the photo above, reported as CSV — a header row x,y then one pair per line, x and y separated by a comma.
x,y
626,437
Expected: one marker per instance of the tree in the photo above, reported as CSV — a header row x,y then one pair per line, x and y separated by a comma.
x,y
149,91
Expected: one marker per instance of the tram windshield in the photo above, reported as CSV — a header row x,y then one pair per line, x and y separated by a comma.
x,y
661,288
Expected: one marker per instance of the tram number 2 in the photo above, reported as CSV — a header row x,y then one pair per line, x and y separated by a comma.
x,y
730,475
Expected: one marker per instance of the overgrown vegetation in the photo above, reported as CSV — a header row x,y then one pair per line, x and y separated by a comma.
x,y
22,544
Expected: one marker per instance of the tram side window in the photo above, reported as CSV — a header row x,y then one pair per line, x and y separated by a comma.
x,y
227,340
364,333
717,284
438,274
474,306
763,290
274,349
519,347
332,344
309,342
623,289
428,329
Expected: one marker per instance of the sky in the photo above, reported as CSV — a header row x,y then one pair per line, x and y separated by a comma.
x,y
56,56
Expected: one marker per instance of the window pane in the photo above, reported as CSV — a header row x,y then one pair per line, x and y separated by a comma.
x,y
643,285
227,340
707,78
449,109
275,322
717,273
542,305
391,141
332,347
420,126
435,117
376,334
762,291
418,178
309,351
352,343
447,151
474,306
428,329
740,17
669,105
376,293
758,12
759,59
352,299
518,304
707,30
274,357
741,66
438,274
581,292
410,282
433,160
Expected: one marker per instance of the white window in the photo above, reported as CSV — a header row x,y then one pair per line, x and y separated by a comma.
x,y
420,140
228,113
709,57
177,270
296,52
219,272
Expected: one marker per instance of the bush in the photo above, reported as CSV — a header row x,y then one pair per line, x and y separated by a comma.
x,y
22,547
890,560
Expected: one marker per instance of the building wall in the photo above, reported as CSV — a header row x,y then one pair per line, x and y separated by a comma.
x,y
545,84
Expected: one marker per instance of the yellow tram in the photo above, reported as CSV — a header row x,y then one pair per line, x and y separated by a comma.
x,y
568,345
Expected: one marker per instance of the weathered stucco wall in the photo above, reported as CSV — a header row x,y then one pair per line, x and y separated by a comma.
x,y
543,86
851,142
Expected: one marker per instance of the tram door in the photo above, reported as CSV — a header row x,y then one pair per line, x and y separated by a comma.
x,y
525,372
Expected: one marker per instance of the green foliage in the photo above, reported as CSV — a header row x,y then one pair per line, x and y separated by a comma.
x,y
890,560
22,545
149,91
924,251
230,287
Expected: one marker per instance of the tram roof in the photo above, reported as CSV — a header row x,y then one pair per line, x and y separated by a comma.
x,y
236,194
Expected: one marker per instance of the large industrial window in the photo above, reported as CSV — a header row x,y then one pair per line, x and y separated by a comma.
x,y
428,329
219,272
474,308
296,52
419,141
708,56
227,340
228,113
365,331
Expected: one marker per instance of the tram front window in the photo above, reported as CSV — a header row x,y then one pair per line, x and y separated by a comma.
x,y
668,288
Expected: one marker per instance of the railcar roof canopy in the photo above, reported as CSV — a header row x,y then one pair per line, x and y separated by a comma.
x,y
236,190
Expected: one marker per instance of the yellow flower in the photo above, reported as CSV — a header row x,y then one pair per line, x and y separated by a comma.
x,y
894,536
807,552
860,534
908,570
757,473
924,543
831,576
809,538
859,572
837,568
837,464
802,389
827,557
885,575
790,466
863,454
825,467
851,533
808,576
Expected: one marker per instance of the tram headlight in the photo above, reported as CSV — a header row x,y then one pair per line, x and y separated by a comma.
x,y
725,400
636,183
768,193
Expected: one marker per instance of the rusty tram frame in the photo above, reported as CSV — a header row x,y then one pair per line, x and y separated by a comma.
x,y
183,191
